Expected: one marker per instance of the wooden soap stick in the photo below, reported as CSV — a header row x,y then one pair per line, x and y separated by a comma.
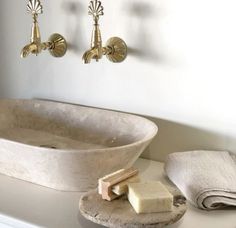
x,y
106,183
122,187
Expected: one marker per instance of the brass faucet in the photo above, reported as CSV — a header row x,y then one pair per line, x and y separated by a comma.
x,y
115,49
56,44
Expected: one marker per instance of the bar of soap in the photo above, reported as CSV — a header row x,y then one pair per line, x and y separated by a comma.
x,y
122,187
150,197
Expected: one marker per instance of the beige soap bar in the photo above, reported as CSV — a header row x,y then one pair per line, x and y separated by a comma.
x,y
122,187
150,197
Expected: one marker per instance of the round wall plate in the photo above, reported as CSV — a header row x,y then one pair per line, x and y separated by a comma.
x,y
118,50
59,45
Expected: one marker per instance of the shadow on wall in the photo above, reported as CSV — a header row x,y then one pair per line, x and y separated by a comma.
x,y
138,27
175,137
75,12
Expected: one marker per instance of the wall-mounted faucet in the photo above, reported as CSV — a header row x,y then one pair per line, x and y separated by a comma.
x,y
115,49
56,44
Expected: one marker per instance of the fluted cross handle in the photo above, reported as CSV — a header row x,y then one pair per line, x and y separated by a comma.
x,y
35,8
95,9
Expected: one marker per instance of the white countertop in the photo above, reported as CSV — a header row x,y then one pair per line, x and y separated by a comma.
x,y
25,205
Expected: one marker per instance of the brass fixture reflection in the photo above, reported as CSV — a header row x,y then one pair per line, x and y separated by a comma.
x,y
56,44
115,49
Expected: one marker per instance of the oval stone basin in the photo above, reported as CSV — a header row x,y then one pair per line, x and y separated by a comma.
x,y
68,147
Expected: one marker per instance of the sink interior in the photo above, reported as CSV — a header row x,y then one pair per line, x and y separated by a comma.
x,y
62,126
46,140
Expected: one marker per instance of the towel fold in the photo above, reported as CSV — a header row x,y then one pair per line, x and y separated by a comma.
x,y
206,178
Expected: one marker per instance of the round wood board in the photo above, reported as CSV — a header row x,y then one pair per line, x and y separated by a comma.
x,y
120,214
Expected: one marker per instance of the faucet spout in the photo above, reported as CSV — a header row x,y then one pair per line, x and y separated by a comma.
x,y
30,48
90,54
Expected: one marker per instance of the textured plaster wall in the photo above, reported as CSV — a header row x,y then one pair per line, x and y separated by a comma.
x,y
180,69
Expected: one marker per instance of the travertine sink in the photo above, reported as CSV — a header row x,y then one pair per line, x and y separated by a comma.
x,y
68,147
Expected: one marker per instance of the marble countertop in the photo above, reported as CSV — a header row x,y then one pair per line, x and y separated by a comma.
x,y
25,205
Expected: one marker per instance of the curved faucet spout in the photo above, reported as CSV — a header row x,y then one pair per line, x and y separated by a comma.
x,y
30,48
90,54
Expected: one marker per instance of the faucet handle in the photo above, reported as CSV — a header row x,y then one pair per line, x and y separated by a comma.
x,y
95,10
34,7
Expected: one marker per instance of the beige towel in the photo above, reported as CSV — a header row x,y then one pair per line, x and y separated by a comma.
x,y
206,178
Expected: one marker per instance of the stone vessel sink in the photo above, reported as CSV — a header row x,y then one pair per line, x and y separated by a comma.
x,y
68,147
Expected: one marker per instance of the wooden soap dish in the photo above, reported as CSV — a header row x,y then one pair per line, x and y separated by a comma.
x,y
120,214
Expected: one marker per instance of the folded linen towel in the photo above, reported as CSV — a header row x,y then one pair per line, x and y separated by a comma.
x,y
206,178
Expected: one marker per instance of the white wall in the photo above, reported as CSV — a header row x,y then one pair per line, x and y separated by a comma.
x,y
180,69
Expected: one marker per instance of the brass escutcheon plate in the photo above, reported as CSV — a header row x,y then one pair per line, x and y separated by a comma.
x,y
59,45
118,50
